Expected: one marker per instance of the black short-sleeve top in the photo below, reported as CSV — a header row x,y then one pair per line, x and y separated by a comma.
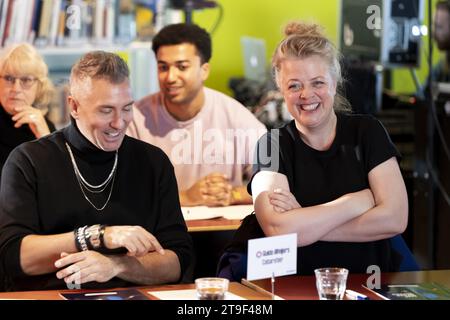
x,y
315,177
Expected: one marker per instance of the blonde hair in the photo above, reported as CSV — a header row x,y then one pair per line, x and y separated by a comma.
x,y
25,60
304,40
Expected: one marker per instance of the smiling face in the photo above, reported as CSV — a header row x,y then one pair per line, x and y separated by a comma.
x,y
181,75
102,110
308,89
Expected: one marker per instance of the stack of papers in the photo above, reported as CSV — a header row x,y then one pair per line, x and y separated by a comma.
x,y
230,212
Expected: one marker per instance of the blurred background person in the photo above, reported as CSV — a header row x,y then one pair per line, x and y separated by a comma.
x,y
208,136
25,94
441,34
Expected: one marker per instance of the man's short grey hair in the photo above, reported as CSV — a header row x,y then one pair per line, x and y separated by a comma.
x,y
100,65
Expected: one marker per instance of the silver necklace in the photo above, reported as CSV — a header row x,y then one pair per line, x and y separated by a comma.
x,y
78,173
93,188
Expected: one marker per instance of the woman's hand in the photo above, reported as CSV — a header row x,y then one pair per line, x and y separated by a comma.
x,y
34,118
283,200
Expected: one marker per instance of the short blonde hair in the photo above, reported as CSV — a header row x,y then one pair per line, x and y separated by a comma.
x,y
24,59
304,40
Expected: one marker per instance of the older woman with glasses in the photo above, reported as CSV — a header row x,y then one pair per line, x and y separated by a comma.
x,y
25,93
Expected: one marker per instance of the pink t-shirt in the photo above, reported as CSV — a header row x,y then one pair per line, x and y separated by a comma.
x,y
220,138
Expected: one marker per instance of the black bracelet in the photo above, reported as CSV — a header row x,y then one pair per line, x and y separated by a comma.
x,y
80,239
88,236
102,236
77,242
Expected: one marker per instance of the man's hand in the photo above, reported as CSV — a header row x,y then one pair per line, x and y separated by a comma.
x,y
34,118
212,190
86,266
135,239
283,200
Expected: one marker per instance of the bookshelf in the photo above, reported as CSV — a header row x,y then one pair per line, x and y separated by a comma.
x,y
64,30
64,22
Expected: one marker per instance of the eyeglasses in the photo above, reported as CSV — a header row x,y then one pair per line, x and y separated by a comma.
x,y
25,82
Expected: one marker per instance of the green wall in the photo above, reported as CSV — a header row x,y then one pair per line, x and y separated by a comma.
x,y
257,18
266,19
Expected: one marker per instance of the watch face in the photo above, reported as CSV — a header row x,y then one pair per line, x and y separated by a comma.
x,y
93,234
95,242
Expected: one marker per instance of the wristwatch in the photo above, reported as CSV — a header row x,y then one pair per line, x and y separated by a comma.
x,y
92,234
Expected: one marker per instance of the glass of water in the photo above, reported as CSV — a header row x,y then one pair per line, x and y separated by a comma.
x,y
211,288
331,283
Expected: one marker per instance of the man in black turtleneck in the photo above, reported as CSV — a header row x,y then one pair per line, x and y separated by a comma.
x,y
88,206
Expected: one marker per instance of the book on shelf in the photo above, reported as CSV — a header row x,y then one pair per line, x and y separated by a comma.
x,y
48,23
413,291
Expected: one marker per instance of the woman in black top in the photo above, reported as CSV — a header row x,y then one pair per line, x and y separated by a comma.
x,y
25,92
332,178
338,183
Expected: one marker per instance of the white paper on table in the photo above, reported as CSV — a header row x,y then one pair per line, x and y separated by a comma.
x,y
199,213
238,212
187,294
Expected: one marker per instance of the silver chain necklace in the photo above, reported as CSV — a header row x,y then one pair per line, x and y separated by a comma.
x,y
92,188
87,184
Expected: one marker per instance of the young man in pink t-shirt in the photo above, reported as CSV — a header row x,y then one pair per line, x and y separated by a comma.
x,y
208,136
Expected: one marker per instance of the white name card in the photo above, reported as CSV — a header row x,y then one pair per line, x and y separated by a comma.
x,y
272,255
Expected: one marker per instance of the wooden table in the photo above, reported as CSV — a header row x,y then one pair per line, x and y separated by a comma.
x,y
217,224
215,218
235,288
304,287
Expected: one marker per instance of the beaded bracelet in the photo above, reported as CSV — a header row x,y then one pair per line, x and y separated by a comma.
x,y
90,238
77,242
80,240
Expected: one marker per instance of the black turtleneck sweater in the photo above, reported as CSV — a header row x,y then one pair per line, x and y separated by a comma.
x,y
11,137
40,195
